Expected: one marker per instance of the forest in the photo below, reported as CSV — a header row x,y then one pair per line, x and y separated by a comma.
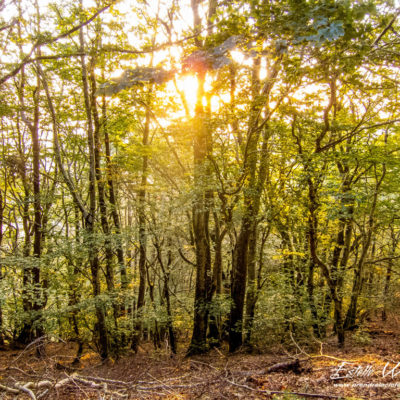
x,y
194,180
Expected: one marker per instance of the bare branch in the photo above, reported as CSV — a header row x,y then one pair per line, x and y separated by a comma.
x,y
77,199
388,26
10,25
27,59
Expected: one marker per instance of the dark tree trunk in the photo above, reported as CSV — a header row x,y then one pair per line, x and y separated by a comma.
x,y
31,276
101,326
388,276
113,203
37,222
311,300
251,295
166,293
341,251
137,326
202,202
358,280
252,192
75,295
214,334
101,189
201,226
312,240
2,207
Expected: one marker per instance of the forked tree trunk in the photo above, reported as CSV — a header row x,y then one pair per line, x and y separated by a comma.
x,y
201,226
255,177
202,202
358,280
101,191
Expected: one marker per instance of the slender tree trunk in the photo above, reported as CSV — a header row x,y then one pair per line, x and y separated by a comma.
x,y
251,295
351,314
255,178
31,291
156,332
341,251
37,223
101,188
166,273
137,326
31,276
75,295
201,225
214,335
386,290
312,240
311,299
2,207
241,250
202,201
238,290
388,276
113,202
90,220
25,336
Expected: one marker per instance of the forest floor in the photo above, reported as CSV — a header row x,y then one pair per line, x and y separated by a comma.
x,y
372,364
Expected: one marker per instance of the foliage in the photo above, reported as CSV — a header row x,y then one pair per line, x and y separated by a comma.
x,y
249,160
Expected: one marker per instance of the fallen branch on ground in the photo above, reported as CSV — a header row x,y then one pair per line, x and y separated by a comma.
x,y
9,389
285,366
270,392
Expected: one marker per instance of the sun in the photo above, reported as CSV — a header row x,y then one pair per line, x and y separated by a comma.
x,y
188,85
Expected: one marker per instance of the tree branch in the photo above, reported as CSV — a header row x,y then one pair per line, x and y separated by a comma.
x,y
27,59
78,201
388,26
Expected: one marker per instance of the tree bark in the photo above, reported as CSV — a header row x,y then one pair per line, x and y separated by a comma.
x,y
101,326
2,208
101,188
137,326
113,202
255,178
351,314
389,275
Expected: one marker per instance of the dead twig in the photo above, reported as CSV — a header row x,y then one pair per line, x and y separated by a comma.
x,y
298,347
98,386
26,390
38,342
109,381
8,389
167,387
188,386
203,363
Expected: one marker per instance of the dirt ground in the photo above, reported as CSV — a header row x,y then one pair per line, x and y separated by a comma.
x,y
367,367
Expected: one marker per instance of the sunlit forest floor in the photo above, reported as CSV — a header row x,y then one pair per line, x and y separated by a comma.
x,y
153,374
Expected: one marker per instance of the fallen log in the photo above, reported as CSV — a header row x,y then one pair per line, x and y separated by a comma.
x,y
286,366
